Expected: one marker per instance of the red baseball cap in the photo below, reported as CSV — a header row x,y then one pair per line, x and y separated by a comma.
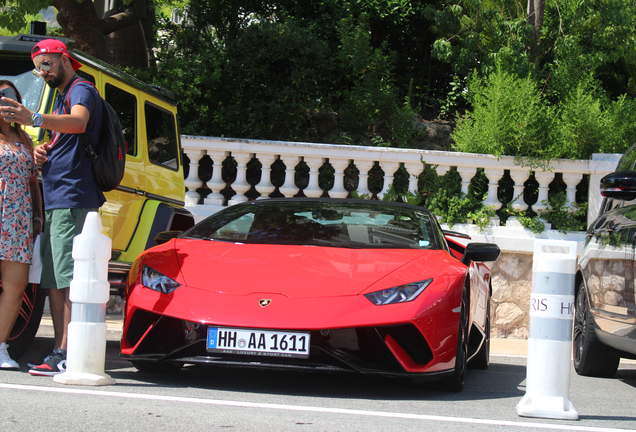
x,y
53,46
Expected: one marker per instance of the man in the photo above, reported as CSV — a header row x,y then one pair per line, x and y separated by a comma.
x,y
69,189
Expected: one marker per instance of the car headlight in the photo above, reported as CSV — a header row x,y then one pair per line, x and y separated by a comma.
x,y
398,294
151,278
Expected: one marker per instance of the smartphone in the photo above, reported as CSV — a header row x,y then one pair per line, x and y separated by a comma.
x,y
8,93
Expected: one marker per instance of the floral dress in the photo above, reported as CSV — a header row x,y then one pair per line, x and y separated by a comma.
x,y
16,169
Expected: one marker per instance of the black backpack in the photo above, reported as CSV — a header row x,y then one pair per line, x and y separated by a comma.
x,y
109,157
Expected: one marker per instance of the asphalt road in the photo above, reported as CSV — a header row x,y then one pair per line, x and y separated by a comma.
x,y
223,399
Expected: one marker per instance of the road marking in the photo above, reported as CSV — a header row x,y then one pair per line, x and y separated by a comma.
x,y
352,412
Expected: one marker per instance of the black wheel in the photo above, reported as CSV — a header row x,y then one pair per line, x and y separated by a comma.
x,y
591,357
481,360
156,366
28,321
455,383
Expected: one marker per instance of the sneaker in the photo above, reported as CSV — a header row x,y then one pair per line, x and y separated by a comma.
x,y
6,362
43,358
56,364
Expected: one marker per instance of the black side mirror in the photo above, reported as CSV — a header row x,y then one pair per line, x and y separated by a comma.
x,y
620,185
480,252
166,236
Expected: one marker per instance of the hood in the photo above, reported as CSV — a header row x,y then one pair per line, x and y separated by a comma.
x,y
297,271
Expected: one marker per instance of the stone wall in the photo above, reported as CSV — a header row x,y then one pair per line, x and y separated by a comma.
x,y
511,288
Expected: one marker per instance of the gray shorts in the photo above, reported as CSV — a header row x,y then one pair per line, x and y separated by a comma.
x,y
60,227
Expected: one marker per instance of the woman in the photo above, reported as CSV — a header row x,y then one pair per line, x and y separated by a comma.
x,y
20,220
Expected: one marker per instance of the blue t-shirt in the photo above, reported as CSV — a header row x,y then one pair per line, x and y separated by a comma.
x,y
67,176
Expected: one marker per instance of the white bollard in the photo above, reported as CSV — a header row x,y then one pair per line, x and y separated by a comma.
x,y
90,291
550,338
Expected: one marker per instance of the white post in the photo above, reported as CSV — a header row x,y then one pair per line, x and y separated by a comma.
x,y
193,182
313,187
265,187
338,190
240,185
493,175
216,183
89,292
289,187
550,338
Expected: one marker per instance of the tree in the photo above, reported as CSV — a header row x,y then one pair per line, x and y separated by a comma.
x,y
79,20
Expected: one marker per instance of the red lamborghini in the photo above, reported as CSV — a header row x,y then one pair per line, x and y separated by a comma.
x,y
313,284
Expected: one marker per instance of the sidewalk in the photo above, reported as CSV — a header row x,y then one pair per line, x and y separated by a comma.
x,y
507,347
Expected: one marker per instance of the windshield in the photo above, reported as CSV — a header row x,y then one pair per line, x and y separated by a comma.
x,y
322,223
20,73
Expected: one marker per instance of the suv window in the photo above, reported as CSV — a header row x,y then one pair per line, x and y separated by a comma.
x,y
125,104
162,137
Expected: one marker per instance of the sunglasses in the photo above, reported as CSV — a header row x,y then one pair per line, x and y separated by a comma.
x,y
44,66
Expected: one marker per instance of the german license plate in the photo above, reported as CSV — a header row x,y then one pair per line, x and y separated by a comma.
x,y
271,343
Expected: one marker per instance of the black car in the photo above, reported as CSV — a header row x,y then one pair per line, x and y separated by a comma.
x,y
605,317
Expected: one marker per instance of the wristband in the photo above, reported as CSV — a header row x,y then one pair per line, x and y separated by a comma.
x,y
37,218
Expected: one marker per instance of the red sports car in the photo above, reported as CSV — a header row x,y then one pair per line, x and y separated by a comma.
x,y
313,284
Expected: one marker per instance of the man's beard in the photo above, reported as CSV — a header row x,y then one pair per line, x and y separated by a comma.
x,y
57,80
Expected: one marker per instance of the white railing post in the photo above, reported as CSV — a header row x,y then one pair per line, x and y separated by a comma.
x,y
240,185
313,187
389,168
265,186
519,177
544,178
414,168
192,182
339,166
216,183
467,174
289,188
493,175
571,180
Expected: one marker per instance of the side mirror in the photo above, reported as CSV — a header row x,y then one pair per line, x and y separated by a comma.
x,y
480,252
166,236
620,185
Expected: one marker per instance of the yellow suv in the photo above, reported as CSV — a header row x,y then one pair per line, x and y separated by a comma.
x,y
150,198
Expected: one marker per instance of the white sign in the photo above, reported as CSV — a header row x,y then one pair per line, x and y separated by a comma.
x,y
552,306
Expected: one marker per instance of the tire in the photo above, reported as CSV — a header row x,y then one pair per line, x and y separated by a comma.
x,y
455,383
591,357
156,366
481,360
28,321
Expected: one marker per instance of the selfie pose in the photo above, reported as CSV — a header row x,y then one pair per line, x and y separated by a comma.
x,y
20,216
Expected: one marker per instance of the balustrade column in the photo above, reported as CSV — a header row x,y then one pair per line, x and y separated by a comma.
x,y
467,174
493,175
193,182
572,180
544,178
519,177
414,169
389,168
216,183
240,185
313,187
364,166
289,188
339,166
265,186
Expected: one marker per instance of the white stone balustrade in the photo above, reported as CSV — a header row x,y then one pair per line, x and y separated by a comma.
x,y
365,158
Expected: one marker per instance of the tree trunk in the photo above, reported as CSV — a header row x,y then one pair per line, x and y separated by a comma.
x,y
79,22
535,19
